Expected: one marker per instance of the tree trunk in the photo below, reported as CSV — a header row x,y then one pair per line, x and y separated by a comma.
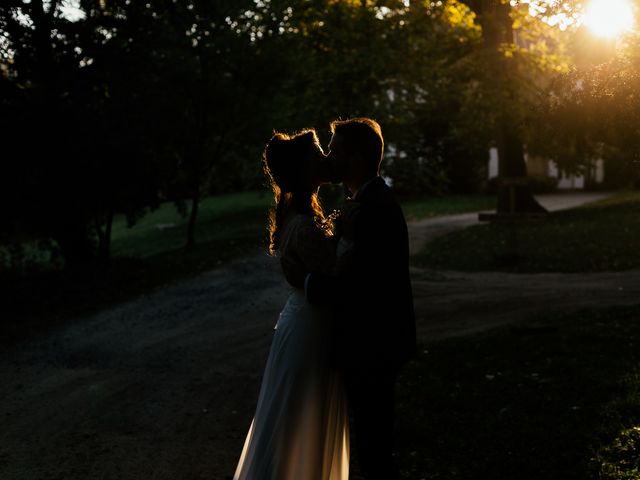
x,y
193,215
198,165
75,246
42,25
104,237
107,234
497,31
513,198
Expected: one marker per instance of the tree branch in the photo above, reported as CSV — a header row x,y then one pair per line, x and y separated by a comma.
x,y
53,8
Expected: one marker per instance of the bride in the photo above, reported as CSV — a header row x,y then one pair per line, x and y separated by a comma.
x,y
300,428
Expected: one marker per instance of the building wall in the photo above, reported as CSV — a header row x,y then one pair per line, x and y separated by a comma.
x,y
544,167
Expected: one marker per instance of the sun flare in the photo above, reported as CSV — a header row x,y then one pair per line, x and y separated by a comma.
x,y
608,18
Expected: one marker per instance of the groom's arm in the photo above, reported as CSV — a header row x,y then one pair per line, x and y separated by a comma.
x,y
322,289
379,255
367,250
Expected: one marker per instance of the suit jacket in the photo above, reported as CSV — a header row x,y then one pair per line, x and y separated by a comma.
x,y
375,322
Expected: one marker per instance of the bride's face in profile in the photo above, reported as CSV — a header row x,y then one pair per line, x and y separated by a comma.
x,y
317,167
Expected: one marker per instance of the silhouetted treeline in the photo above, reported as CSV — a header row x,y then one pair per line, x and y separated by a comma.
x,y
116,106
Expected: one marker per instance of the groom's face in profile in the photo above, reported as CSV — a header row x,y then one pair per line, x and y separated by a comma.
x,y
337,159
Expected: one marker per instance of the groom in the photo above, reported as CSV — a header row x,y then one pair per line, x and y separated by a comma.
x,y
375,325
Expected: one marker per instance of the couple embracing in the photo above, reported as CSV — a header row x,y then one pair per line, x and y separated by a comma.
x,y
348,325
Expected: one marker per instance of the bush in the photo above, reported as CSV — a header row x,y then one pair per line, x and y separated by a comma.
x,y
621,460
413,177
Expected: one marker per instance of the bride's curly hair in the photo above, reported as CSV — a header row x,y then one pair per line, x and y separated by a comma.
x,y
285,161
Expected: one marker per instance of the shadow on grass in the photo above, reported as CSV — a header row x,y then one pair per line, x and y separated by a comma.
x,y
543,403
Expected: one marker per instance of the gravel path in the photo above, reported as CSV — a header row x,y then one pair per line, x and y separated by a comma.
x,y
164,386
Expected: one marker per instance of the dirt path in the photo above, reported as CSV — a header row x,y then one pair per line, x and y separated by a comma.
x,y
164,386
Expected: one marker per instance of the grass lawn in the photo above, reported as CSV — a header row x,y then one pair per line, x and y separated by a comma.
x,y
151,254
221,218
560,402
416,209
226,220
602,236
243,215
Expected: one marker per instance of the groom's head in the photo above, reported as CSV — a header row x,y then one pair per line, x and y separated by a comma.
x,y
355,150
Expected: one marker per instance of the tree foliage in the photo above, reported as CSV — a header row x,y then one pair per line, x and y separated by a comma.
x,y
112,106
591,113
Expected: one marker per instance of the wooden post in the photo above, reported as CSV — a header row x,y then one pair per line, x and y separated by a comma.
x,y
513,218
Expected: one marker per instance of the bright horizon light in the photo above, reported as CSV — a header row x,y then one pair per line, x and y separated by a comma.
x,y
608,18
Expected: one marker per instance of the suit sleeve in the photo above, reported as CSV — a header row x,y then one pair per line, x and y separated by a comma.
x,y
374,253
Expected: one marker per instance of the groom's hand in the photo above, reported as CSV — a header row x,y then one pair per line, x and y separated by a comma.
x,y
294,274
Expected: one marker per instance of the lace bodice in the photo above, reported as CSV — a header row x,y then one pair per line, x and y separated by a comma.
x,y
305,243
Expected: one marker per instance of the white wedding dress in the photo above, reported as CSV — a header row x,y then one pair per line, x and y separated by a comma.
x,y
300,428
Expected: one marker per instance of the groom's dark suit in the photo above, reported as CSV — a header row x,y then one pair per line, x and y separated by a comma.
x,y
375,325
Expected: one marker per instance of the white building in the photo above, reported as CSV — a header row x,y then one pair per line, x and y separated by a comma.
x,y
545,167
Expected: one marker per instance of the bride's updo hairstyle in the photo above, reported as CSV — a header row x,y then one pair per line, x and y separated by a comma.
x,y
285,162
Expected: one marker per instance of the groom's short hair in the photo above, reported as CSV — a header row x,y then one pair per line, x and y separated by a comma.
x,y
361,135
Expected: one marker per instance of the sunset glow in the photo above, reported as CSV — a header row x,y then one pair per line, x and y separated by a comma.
x,y
608,18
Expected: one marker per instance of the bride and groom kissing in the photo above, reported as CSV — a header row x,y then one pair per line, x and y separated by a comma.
x,y
348,325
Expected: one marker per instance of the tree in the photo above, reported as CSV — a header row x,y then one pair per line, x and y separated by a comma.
x,y
496,20
152,96
79,154
407,65
437,115
34,65
209,72
592,113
